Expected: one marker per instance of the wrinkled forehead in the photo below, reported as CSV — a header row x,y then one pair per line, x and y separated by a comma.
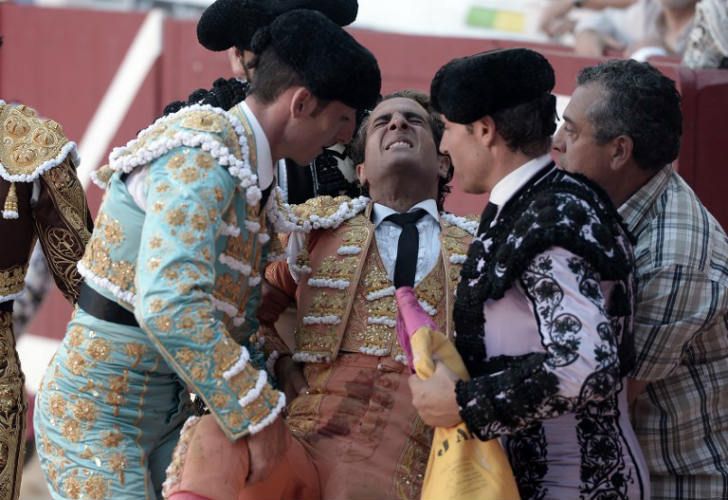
x,y
402,105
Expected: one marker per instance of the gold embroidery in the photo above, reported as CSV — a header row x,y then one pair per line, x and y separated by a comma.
x,y
12,280
322,206
157,206
205,161
337,268
99,349
112,439
75,336
57,406
71,430
188,175
96,487
72,487
176,216
220,400
118,464
206,121
155,242
111,230
85,410
329,303
135,351
118,386
76,364
98,260
163,323
28,141
198,222
176,162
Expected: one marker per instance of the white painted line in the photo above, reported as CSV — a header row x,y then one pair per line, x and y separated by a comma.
x,y
35,353
138,61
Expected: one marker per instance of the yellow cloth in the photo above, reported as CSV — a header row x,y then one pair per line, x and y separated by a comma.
x,y
460,467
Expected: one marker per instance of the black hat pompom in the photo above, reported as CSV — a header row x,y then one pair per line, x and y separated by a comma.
x,y
232,23
469,88
332,65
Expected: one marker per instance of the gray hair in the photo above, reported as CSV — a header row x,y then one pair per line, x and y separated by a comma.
x,y
640,102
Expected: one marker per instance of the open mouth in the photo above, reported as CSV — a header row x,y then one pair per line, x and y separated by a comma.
x,y
399,144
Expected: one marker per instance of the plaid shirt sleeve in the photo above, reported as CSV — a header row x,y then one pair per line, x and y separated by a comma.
x,y
676,303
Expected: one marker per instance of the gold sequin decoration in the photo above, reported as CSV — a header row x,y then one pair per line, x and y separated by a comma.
x,y
85,410
99,349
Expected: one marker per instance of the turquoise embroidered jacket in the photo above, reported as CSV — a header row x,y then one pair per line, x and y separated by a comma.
x,y
189,264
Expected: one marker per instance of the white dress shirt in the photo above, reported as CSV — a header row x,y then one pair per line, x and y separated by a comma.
x,y
262,149
387,237
511,183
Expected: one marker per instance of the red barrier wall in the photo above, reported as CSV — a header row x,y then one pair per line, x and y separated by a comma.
x,y
61,61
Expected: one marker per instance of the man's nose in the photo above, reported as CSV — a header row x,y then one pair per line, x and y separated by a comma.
x,y
398,121
558,143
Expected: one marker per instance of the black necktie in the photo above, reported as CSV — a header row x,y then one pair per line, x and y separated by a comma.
x,y
405,266
486,218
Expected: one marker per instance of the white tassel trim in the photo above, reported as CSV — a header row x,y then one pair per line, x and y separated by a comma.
x,y
381,320
95,179
322,320
467,225
348,250
263,238
285,220
239,365
104,283
121,161
68,149
270,363
429,309
378,294
254,280
401,358
10,214
235,264
374,351
300,269
307,357
252,226
328,283
230,230
255,428
254,393
458,258
172,478
225,307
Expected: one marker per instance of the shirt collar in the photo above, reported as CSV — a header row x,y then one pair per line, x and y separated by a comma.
x,y
511,183
381,212
264,168
634,209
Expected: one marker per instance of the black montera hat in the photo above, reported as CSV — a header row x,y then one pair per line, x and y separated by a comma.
x,y
332,65
469,88
232,23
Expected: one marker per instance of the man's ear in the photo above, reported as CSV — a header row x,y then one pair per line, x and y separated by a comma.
x,y
622,148
445,165
361,174
484,130
302,103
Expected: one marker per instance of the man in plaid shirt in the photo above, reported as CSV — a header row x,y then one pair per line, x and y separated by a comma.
x,y
622,129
